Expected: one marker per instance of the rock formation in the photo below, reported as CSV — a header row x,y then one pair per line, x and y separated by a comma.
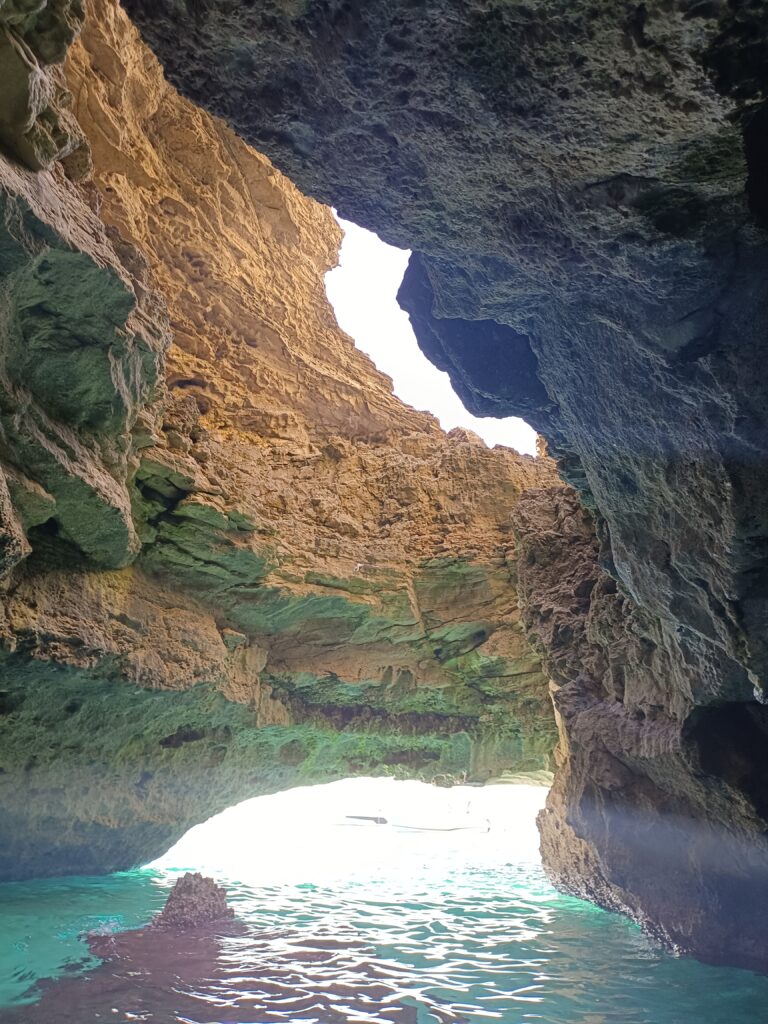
x,y
36,124
194,901
584,188
195,904
233,560
180,966
154,971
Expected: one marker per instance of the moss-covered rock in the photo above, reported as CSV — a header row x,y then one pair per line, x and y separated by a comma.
x,y
102,776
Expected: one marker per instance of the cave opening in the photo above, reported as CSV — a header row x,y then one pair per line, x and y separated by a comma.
x,y
363,292
728,742
364,828
199,595
365,899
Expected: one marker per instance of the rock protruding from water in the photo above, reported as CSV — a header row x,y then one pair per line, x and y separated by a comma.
x,y
193,902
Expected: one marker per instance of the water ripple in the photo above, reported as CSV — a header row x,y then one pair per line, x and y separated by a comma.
x,y
418,933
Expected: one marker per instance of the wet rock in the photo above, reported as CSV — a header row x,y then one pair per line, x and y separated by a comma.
x,y
195,904
194,901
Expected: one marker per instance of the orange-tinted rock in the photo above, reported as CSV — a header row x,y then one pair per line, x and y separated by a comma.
x,y
321,581
585,191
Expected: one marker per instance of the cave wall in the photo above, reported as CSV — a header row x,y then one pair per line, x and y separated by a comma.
x,y
573,174
235,561
654,812
583,186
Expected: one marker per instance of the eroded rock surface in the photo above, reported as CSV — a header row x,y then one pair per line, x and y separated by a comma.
x,y
235,562
657,807
36,124
193,902
83,341
575,184
584,186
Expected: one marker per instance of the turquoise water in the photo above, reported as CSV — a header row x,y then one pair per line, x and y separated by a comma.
x,y
41,923
358,922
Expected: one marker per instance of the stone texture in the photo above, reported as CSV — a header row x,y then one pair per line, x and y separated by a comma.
x,y
596,232
81,353
584,188
36,125
194,901
253,567
656,809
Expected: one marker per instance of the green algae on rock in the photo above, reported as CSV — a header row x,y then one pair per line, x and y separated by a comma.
x,y
583,187
234,561
80,362
97,775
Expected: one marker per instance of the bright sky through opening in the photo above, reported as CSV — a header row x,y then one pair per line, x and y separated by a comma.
x,y
304,835
362,290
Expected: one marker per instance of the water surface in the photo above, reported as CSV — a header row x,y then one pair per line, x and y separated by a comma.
x,y
361,924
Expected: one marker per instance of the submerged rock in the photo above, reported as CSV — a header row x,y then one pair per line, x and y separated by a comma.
x,y
180,967
194,915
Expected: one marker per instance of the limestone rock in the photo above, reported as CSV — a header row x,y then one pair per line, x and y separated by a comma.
x,y
583,187
573,183
81,348
192,902
252,566
655,803
36,125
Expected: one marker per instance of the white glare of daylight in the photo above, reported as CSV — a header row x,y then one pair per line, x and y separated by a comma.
x,y
362,291
328,834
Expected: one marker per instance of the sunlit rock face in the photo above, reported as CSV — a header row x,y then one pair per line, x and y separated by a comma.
x,y
584,186
233,561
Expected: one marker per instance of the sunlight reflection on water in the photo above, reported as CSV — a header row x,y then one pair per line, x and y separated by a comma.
x,y
319,834
350,923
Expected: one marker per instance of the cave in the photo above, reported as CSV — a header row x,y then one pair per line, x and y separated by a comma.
x,y
233,562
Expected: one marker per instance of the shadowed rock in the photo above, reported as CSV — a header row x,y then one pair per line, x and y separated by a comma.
x,y
36,124
584,189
